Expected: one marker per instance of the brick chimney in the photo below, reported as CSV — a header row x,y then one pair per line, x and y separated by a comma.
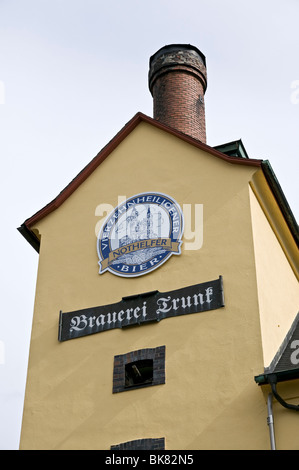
x,y
177,82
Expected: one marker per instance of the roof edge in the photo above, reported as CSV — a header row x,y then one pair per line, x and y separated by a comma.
x,y
25,228
281,199
103,154
30,237
281,376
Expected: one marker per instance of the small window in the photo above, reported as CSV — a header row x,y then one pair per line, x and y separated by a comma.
x,y
142,368
139,373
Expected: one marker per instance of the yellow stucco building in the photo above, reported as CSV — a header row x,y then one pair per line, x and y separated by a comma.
x,y
167,290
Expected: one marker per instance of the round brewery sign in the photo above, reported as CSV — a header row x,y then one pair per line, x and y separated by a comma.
x,y
140,234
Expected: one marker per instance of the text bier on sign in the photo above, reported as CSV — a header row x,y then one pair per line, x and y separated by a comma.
x,y
142,308
140,235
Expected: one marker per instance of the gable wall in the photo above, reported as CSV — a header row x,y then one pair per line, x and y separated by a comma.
x,y
211,358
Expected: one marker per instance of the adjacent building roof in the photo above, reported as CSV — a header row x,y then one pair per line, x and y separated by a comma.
x,y
285,364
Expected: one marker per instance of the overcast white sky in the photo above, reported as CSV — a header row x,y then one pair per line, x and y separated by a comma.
x,y
74,72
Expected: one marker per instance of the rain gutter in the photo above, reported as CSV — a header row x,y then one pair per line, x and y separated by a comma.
x,y
281,199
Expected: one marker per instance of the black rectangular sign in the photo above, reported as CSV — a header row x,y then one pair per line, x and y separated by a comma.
x,y
142,308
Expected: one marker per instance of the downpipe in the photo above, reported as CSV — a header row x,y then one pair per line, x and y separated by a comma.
x,y
270,422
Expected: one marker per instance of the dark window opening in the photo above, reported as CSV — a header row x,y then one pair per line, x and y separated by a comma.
x,y
137,369
139,373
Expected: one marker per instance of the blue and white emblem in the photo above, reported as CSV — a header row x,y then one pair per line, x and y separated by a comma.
x,y
140,235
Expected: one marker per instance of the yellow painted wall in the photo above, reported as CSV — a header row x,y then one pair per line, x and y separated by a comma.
x,y
210,399
276,260
278,288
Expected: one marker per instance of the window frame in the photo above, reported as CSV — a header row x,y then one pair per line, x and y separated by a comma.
x,y
157,355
